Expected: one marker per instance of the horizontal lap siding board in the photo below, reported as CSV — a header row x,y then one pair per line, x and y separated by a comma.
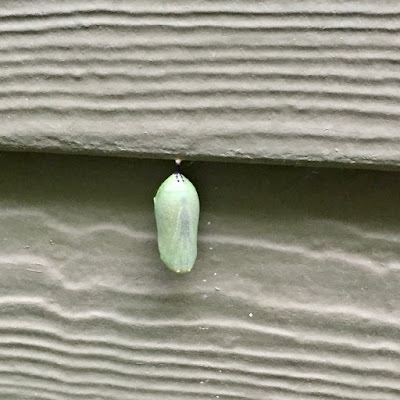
x,y
277,81
295,294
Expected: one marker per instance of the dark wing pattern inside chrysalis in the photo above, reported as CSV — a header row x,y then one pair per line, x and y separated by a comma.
x,y
185,246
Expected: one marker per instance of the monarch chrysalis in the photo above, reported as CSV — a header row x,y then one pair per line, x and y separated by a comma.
x,y
177,208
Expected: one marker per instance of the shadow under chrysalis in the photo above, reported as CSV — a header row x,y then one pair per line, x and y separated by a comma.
x,y
177,210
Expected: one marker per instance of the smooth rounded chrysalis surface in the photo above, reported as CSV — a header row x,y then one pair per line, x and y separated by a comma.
x,y
177,210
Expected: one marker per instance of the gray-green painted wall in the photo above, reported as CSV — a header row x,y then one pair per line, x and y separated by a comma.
x,y
295,294
277,81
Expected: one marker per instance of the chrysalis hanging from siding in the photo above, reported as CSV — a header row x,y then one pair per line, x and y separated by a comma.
x,y
177,210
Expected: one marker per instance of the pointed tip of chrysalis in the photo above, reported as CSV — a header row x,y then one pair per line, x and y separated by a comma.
x,y
178,166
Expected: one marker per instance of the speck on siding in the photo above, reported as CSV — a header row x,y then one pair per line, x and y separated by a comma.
x,y
251,315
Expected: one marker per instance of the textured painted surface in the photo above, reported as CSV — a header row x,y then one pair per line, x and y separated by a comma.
x,y
295,294
277,81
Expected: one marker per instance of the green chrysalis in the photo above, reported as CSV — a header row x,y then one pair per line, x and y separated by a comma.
x,y
177,209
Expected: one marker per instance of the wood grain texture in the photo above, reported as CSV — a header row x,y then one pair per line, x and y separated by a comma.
x,y
277,81
295,294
